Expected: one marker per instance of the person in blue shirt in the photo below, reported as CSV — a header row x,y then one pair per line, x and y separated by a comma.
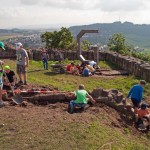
x,y
136,94
86,72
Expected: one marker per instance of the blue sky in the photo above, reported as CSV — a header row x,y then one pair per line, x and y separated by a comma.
x,y
19,13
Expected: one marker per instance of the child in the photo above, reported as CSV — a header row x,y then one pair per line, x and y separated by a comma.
x,y
136,94
44,57
81,99
143,115
73,69
10,76
1,75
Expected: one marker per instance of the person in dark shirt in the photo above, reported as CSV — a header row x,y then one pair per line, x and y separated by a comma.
x,y
10,76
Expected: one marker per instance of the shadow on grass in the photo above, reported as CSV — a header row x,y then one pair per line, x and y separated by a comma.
x,y
38,70
51,73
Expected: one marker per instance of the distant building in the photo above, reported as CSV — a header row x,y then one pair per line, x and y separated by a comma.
x,y
138,49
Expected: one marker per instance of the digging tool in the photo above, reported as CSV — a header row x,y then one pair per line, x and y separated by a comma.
x,y
16,98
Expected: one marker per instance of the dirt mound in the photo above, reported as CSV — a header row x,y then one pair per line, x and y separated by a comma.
x,y
58,111
106,110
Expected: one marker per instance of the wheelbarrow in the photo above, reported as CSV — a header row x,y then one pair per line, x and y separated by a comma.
x,y
60,68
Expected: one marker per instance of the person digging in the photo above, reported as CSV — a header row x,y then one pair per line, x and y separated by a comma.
x,y
11,78
82,99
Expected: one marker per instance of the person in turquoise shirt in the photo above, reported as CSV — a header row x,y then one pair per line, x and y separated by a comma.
x,y
81,100
1,75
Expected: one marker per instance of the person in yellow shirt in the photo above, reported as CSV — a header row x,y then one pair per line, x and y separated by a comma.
x,y
91,69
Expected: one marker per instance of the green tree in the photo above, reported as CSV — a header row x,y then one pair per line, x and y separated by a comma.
x,y
58,39
85,45
72,46
117,43
47,38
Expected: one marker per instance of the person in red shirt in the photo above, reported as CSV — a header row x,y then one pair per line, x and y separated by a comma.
x,y
68,67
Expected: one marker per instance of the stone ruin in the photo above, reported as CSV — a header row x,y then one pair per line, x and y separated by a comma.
x,y
134,66
112,98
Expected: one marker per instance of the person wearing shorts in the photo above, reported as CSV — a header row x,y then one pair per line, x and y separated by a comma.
x,y
22,63
136,94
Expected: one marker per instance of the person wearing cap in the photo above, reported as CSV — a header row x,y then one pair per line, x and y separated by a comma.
x,y
142,114
2,103
22,63
10,76
136,94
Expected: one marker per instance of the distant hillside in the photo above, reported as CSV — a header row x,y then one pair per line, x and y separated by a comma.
x,y
135,34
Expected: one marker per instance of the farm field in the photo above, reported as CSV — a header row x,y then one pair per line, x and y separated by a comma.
x,y
51,127
8,36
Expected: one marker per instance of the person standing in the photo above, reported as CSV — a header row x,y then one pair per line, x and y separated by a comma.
x,y
22,63
1,76
44,57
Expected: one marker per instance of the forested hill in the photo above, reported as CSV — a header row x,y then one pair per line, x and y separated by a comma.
x,y
135,34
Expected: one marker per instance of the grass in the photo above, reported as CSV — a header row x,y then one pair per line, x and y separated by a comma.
x,y
39,130
66,82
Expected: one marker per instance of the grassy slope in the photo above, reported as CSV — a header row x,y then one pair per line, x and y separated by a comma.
x,y
68,135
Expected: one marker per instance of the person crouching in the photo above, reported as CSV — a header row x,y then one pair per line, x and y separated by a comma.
x,y
143,117
10,76
81,100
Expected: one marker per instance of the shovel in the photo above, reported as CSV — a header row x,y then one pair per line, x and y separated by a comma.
x,y
16,98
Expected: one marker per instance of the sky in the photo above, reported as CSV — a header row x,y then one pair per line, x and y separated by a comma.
x,y
21,13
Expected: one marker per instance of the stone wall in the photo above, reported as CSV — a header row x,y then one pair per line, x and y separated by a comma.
x,y
133,65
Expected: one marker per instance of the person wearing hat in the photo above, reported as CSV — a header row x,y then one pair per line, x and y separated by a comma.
x,y
22,63
136,94
1,76
10,76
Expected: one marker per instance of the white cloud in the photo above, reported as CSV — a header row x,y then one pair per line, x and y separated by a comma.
x,y
30,2
30,12
11,13
121,5
72,4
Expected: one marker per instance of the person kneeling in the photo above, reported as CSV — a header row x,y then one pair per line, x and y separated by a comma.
x,y
81,100
10,76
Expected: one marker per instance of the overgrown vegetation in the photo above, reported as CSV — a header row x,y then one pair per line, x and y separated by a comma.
x,y
58,39
117,43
